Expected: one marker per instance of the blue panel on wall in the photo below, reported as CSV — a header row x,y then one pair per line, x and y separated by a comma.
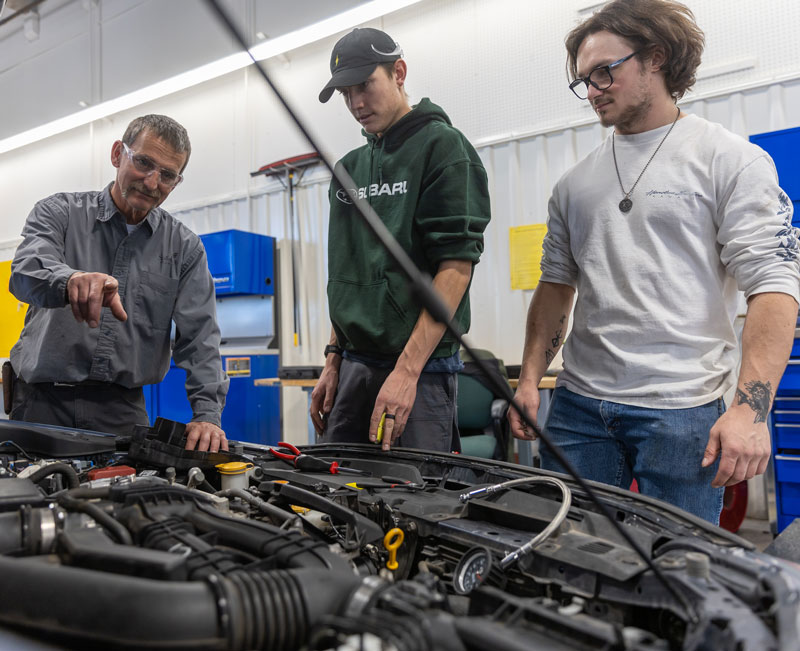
x,y
240,262
783,146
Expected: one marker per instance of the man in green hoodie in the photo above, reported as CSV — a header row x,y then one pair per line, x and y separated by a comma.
x,y
388,361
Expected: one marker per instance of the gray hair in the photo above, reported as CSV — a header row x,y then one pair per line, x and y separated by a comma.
x,y
163,127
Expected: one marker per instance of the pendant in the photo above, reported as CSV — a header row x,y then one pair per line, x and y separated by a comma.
x,y
625,205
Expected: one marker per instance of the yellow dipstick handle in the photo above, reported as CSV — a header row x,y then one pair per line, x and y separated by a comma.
x,y
392,541
379,438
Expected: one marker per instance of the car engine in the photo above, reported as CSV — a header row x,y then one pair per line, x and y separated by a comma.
x,y
133,542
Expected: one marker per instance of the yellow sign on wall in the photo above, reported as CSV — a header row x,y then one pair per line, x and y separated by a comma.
x,y
525,247
12,312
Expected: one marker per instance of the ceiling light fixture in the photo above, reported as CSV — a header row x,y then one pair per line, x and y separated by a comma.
x,y
278,45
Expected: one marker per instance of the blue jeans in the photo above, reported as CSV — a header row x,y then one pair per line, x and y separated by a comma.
x,y
661,448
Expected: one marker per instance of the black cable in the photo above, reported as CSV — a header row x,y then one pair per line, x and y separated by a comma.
x,y
19,449
423,290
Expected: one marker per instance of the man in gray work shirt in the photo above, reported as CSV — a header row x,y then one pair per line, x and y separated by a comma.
x,y
79,365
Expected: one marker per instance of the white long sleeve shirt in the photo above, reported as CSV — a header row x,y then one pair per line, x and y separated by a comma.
x,y
657,286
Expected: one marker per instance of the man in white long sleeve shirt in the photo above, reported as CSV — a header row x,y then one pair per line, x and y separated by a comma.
x,y
657,230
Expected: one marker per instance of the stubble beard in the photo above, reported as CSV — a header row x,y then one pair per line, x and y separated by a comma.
x,y
141,189
626,121
636,113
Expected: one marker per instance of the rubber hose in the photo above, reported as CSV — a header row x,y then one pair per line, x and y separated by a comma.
x,y
66,471
11,532
278,609
109,608
117,530
250,610
86,493
289,548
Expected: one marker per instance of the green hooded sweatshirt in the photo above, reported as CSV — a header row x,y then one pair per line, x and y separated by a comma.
x,y
429,187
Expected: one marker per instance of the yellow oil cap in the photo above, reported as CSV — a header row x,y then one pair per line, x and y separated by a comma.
x,y
233,467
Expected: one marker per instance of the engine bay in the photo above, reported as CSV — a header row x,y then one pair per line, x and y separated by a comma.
x,y
133,542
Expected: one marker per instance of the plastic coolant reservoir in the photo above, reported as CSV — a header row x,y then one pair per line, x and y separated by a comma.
x,y
234,474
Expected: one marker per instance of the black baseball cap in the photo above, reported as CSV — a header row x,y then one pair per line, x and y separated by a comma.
x,y
355,57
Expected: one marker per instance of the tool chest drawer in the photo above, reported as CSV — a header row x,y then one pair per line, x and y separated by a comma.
x,y
786,416
786,436
787,475
786,403
795,350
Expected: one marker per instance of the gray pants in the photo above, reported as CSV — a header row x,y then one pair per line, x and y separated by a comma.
x,y
431,424
102,407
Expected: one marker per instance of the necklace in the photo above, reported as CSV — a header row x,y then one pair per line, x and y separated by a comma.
x,y
626,204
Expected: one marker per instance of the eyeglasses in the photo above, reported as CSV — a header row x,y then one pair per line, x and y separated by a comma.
x,y
147,166
600,78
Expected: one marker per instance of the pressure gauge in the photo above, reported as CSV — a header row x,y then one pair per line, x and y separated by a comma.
x,y
472,570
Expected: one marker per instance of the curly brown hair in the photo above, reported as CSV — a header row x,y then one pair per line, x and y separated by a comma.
x,y
648,25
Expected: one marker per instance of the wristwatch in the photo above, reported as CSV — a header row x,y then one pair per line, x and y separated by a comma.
x,y
333,348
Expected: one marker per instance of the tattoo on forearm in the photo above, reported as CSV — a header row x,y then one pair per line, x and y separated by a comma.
x,y
555,342
758,395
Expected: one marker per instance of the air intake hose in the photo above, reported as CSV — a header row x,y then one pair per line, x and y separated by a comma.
x,y
248,610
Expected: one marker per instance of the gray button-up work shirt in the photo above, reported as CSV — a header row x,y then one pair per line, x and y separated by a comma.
x,y
163,277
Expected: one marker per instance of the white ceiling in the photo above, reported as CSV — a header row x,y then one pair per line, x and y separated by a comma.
x,y
89,51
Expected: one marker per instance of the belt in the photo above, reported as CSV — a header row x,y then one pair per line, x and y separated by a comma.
x,y
82,383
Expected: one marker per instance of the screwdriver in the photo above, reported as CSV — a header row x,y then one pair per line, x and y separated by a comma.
x,y
307,463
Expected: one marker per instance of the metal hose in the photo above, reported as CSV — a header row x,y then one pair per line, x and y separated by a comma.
x,y
545,533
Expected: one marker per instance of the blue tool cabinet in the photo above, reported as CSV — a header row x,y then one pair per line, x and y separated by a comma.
x,y
251,413
784,146
241,262
242,266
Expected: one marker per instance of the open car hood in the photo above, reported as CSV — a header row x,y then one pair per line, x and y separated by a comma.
x,y
164,551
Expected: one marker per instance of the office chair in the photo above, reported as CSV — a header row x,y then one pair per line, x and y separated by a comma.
x,y
482,422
